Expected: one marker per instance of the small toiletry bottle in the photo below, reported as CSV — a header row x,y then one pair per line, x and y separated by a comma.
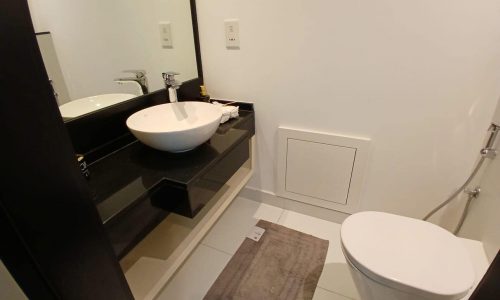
x,y
203,94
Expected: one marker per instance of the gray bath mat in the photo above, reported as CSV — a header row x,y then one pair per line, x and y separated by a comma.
x,y
282,264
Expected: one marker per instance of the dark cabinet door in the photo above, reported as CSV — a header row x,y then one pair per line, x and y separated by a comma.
x,y
52,239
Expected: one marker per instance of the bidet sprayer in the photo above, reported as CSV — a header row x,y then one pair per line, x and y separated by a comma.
x,y
488,151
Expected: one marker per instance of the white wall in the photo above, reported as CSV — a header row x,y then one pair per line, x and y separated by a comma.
x,y
421,78
9,289
496,117
53,68
95,40
483,220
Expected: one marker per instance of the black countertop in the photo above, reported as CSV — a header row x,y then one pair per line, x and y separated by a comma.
x,y
135,187
131,172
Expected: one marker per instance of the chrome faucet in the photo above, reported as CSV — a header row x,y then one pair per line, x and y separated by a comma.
x,y
140,78
171,85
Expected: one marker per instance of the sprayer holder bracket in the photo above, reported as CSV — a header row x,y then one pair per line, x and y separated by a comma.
x,y
489,153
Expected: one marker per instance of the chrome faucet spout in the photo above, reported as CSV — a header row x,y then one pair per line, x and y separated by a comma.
x,y
171,85
169,79
120,79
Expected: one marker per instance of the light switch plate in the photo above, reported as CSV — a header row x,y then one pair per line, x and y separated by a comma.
x,y
166,35
232,28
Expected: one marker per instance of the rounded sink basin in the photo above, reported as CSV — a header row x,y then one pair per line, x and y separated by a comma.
x,y
175,127
87,105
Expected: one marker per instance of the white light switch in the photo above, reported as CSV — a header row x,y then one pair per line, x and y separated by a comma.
x,y
166,35
232,34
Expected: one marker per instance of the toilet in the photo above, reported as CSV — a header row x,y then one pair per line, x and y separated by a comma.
x,y
392,257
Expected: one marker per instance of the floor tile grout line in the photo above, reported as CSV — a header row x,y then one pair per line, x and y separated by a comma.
x,y
212,247
281,215
278,221
318,286
335,292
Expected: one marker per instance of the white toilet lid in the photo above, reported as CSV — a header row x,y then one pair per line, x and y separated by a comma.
x,y
407,254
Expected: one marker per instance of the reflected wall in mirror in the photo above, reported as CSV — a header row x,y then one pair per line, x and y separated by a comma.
x,y
99,53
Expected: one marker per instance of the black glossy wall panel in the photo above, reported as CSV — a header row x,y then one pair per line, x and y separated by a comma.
x,y
53,242
489,287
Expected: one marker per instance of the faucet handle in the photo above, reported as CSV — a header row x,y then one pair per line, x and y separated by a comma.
x,y
169,77
138,73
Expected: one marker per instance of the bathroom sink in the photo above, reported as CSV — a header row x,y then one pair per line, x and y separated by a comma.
x,y
175,127
87,105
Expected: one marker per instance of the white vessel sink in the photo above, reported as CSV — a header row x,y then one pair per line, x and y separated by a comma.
x,y
87,105
175,127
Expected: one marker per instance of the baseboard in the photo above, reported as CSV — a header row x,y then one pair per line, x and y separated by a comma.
x,y
271,198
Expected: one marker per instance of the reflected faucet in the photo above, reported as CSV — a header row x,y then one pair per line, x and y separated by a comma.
x,y
171,84
140,78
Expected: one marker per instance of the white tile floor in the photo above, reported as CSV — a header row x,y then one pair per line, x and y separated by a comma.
x,y
200,271
202,268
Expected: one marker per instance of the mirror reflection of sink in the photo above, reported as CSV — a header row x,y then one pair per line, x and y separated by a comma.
x,y
175,127
87,105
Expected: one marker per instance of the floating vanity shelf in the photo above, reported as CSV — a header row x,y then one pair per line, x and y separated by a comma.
x,y
136,187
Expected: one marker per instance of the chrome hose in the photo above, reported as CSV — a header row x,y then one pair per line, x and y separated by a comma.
x,y
457,192
472,195
487,152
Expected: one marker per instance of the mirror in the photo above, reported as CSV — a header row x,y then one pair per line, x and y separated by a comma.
x,y
99,53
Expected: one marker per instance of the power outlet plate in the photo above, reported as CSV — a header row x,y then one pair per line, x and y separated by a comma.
x,y
166,35
232,28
